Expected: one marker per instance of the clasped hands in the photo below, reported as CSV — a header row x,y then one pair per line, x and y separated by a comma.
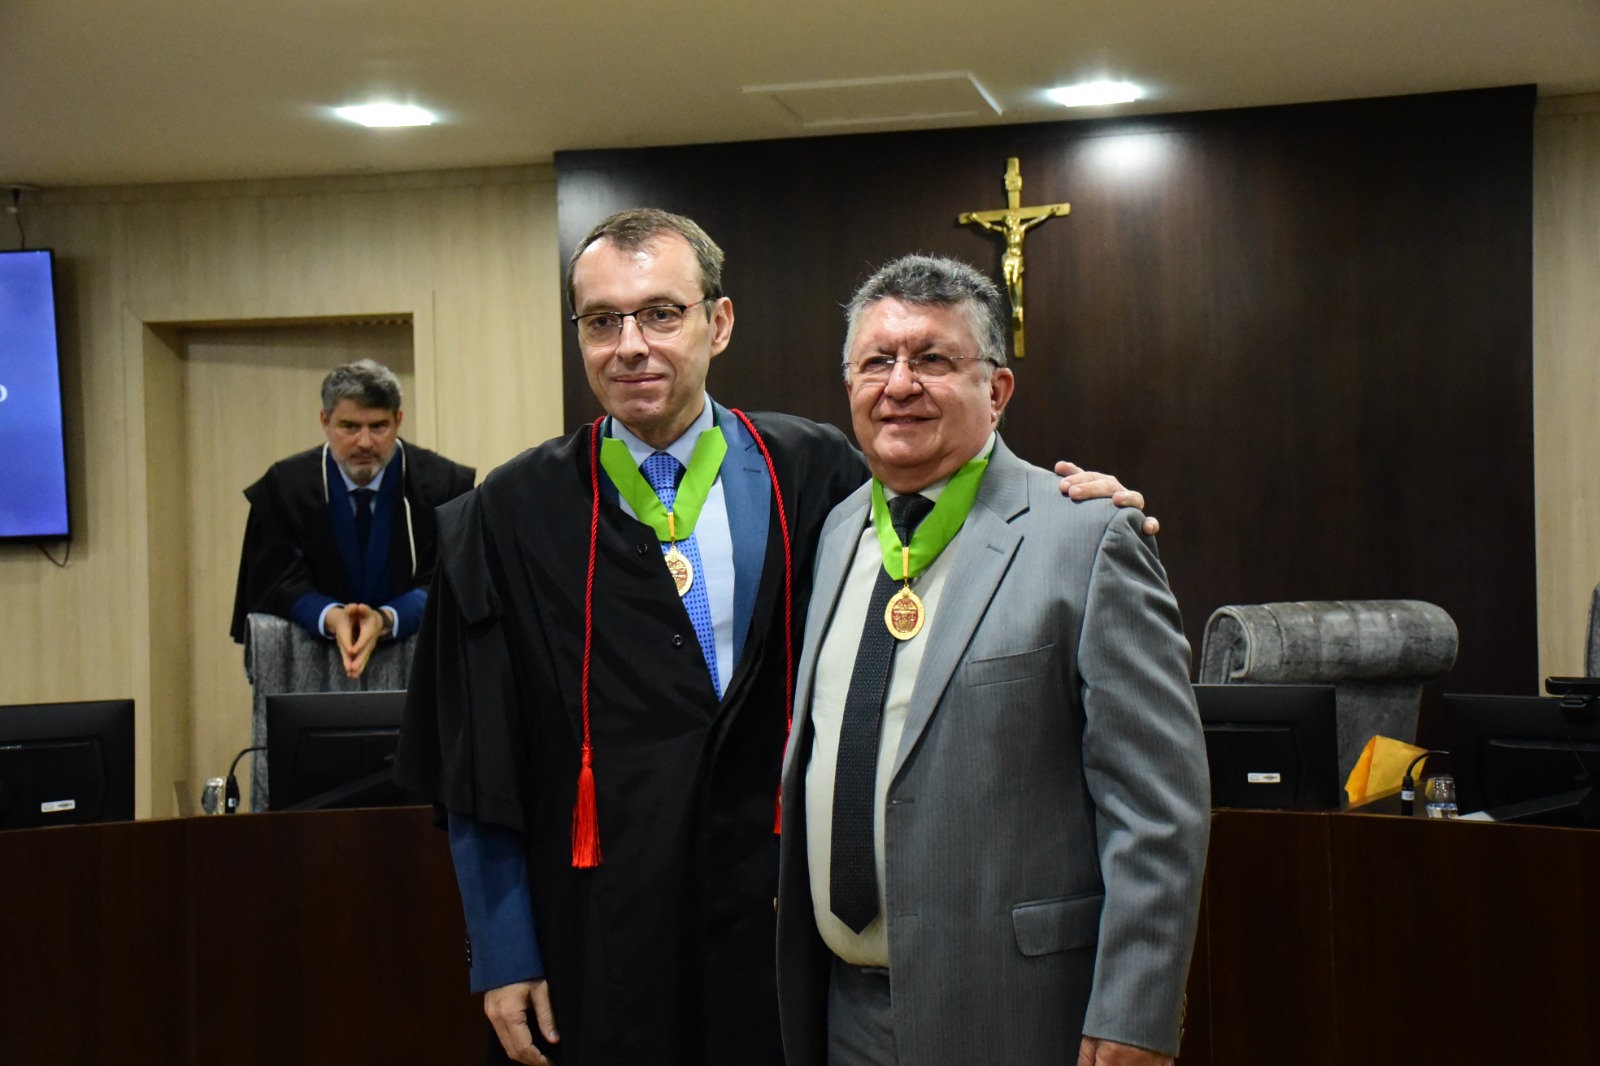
x,y
356,628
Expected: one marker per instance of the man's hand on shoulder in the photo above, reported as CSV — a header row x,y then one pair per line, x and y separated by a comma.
x,y
507,1009
1094,1052
1080,484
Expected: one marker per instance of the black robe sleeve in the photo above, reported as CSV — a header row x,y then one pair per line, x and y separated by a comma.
x,y
273,572
456,744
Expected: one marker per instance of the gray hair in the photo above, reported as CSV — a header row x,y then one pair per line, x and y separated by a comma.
x,y
366,381
628,230
939,281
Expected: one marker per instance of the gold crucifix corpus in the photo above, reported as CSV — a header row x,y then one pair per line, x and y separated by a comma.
x,y
1014,221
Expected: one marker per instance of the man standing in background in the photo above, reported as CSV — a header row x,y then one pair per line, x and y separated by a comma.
x,y
341,539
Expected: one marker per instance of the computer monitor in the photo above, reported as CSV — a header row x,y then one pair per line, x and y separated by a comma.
x,y
1271,747
333,749
66,763
1524,758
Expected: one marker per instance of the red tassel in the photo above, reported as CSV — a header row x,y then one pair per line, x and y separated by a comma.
x,y
585,819
585,822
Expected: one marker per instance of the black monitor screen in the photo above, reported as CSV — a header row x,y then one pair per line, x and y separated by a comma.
x,y
66,763
1507,750
333,749
1271,747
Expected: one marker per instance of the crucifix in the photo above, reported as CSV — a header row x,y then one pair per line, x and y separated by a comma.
x,y
1013,221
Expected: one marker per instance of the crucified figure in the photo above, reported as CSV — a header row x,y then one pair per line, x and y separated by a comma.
x,y
1013,222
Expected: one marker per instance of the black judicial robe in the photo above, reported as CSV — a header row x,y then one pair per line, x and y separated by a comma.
x,y
289,547
664,953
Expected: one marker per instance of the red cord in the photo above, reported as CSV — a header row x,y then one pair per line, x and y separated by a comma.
x,y
585,816
788,605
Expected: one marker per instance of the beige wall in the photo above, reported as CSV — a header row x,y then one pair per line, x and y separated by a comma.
x,y
469,258
1566,373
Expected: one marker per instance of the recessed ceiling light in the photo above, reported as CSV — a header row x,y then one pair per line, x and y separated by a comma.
x,y
386,115
1092,93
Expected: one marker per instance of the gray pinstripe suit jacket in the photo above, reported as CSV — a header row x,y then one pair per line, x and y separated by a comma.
x,y
1048,814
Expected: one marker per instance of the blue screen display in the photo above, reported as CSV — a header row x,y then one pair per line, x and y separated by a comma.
x,y
33,468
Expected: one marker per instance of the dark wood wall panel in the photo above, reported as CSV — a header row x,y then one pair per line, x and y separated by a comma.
x,y
1304,332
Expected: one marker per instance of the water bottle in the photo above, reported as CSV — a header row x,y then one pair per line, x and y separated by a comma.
x,y
1440,793
211,799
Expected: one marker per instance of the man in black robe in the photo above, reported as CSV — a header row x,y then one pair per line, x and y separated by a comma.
x,y
606,747
341,539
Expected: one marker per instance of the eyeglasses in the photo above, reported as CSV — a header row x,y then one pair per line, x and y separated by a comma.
x,y
658,322
929,367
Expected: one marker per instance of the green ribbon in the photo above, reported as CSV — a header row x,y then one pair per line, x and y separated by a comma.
x,y
692,490
936,531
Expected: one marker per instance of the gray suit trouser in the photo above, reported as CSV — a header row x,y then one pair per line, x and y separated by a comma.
x,y
860,1018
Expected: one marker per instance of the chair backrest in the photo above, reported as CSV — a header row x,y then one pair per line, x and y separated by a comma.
x,y
1378,653
1591,654
279,656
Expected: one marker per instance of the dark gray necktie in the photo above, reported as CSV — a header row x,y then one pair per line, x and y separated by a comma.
x,y
852,866
363,498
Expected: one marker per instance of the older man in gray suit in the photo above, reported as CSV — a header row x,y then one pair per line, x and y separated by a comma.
x,y
995,802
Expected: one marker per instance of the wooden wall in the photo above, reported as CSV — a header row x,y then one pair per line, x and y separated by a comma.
x,y
1566,372
472,257
467,258
1305,332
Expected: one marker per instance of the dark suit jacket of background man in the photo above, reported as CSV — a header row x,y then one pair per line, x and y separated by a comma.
x,y
1046,822
289,544
664,952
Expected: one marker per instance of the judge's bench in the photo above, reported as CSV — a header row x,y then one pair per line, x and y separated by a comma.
x,y
336,937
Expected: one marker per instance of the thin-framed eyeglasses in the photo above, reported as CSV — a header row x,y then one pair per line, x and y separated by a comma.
x,y
927,367
602,329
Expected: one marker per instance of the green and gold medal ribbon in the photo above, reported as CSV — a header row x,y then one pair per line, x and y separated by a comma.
x,y
936,531
677,524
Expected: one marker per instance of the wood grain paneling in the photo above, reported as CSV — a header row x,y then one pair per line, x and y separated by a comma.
x,y
468,256
250,396
1304,332
346,947
94,955
471,255
328,937
1439,926
1566,370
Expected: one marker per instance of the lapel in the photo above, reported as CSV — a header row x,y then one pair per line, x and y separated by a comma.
x,y
982,553
837,549
747,494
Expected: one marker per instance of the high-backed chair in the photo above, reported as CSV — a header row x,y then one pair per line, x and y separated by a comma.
x,y
1377,653
279,656
1591,654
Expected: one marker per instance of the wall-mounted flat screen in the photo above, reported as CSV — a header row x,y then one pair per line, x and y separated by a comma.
x,y
33,464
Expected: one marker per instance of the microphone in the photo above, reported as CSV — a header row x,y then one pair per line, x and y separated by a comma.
x,y
230,803
1408,784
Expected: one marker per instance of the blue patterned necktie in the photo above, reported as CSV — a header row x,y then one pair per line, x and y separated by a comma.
x,y
664,472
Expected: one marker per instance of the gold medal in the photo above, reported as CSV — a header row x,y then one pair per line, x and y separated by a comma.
x,y
678,566
904,614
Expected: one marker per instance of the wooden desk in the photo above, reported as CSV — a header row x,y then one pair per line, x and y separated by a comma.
x,y
278,938
1337,939
336,937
